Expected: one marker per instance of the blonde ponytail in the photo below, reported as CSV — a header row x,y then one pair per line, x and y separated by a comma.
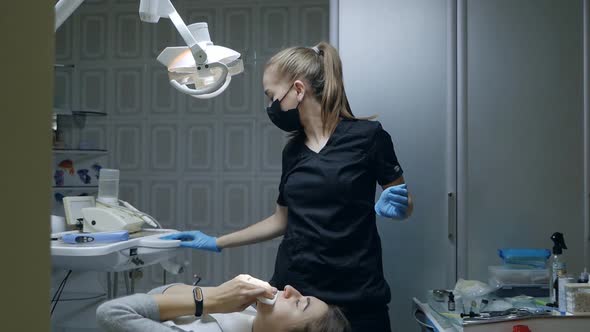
x,y
322,68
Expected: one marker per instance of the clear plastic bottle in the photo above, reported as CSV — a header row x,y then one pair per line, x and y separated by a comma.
x,y
558,266
108,186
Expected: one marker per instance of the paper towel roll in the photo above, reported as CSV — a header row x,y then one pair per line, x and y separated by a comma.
x,y
58,224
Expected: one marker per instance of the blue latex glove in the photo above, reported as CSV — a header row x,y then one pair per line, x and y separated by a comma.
x,y
195,240
393,202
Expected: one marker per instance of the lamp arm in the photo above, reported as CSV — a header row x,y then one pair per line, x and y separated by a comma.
x,y
64,9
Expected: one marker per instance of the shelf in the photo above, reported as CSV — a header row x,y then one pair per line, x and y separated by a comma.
x,y
63,65
74,187
80,151
61,111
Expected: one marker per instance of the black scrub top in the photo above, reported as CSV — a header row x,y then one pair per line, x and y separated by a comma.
x,y
331,248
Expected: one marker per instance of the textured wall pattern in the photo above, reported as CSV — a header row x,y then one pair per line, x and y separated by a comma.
x,y
211,165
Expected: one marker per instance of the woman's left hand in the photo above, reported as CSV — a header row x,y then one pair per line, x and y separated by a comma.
x,y
393,202
236,294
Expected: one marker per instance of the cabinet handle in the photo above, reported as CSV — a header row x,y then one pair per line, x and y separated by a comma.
x,y
451,218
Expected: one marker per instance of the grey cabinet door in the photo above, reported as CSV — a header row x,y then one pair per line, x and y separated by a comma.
x,y
395,66
523,155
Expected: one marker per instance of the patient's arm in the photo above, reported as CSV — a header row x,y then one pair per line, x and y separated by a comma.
x,y
132,313
266,229
232,296
144,312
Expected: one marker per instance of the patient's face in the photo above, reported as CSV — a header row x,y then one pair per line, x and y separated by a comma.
x,y
292,309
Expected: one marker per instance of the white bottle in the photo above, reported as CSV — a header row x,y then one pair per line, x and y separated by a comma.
x,y
108,186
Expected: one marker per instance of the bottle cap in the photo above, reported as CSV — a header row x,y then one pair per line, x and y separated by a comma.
x,y
558,243
520,328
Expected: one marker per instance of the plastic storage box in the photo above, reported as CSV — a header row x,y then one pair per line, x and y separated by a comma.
x,y
509,276
577,298
511,281
527,258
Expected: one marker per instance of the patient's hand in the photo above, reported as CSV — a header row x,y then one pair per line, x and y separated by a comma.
x,y
236,295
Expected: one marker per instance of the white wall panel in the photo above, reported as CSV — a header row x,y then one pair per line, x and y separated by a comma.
x,y
63,89
126,146
237,204
163,147
93,89
196,106
200,153
277,35
128,35
235,262
237,146
64,41
93,136
93,36
200,198
163,203
314,24
131,190
128,90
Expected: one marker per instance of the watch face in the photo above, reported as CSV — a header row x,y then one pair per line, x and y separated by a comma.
x,y
198,294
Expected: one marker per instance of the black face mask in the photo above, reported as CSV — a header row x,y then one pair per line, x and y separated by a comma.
x,y
285,120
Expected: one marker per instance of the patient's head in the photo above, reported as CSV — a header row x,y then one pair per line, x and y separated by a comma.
x,y
293,312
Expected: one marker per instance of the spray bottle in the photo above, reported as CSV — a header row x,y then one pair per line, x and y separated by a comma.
x,y
558,267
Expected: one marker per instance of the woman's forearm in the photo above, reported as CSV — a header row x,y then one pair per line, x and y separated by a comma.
x,y
264,230
179,300
175,304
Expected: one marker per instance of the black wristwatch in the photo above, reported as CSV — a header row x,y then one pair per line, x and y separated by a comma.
x,y
198,297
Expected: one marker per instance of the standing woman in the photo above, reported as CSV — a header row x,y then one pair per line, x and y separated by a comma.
x,y
326,206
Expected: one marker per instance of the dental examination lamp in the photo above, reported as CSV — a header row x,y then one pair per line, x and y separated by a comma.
x,y
206,67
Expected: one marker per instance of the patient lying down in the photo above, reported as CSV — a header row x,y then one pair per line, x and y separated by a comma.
x,y
226,308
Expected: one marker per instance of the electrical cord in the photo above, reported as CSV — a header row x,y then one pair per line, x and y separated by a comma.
x,y
128,208
59,291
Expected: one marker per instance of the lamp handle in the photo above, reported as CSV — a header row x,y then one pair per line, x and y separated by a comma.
x,y
215,93
223,80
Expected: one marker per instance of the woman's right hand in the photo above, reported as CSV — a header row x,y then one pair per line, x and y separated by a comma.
x,y
236,295
195,240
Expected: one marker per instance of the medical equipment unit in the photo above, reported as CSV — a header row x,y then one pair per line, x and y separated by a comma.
x,y
106,213
111,234
201,64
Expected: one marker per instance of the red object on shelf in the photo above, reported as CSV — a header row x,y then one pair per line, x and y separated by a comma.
x,y
520,328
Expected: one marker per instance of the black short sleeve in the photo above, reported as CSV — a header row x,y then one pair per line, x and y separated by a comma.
x,y
387,168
